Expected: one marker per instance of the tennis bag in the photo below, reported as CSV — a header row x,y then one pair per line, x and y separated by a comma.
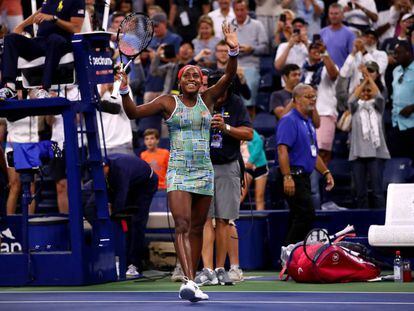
x,y
335,262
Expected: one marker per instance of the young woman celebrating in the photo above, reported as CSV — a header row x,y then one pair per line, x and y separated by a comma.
x,y
190,172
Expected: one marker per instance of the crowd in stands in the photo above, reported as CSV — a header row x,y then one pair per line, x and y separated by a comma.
x,y
358,56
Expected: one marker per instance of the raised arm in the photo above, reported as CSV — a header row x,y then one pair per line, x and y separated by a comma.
x,y
158,105
217,90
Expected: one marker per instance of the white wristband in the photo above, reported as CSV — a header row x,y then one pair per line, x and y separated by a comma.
x,y
234,52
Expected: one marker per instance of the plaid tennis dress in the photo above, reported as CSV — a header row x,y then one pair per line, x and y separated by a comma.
x,y
189,167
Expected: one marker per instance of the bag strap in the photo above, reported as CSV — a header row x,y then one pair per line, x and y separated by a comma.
x,y
348,235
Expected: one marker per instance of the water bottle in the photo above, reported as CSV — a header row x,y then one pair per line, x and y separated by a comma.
x,y
398,268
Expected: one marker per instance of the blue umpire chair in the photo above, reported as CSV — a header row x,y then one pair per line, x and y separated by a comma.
x,y
92,251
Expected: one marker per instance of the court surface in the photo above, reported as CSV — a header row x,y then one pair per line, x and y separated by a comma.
x,y
261,291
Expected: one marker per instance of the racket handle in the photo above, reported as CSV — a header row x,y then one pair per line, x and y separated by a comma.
x,y
117,83
115,90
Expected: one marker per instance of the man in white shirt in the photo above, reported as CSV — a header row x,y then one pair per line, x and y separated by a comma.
x,y
223,13
321,72
295,51
359,14
365,50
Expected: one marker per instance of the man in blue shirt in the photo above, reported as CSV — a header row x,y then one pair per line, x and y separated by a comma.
x,y
57,21
402,133
297,151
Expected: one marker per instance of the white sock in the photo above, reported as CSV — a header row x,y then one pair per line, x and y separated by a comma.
x,y
234,267
11,85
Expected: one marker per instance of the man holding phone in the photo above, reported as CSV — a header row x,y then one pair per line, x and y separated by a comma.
x,y
295,51
359,14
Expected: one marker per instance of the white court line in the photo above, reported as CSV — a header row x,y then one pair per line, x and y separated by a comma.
x,y
205,289
210,302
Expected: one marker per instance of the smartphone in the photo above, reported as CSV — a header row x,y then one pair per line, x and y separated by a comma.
x,y
350,5
282,18
296,31
169,51
316,37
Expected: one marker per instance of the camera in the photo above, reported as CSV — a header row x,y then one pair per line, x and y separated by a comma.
x,y
169,51
350,5
282,18
296,31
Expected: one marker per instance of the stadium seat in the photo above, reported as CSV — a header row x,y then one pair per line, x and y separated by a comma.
x,y
341,194
264,124
398,230
397,170
270,148
164,143
32,71
340,147
262,101
266,64
159,202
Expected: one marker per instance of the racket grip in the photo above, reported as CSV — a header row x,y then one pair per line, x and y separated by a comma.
x,y
115,91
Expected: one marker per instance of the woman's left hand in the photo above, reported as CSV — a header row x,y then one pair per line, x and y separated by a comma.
x,y
230,36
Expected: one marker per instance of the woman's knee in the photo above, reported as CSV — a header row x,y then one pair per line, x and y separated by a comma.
x,y
182,225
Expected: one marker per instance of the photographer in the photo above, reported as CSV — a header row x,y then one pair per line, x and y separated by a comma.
x,y
295,51
172,64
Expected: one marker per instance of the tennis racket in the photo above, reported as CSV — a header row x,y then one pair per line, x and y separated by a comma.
x,y
320,237
134,35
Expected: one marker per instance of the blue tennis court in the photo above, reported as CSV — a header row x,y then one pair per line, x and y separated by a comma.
x,y
35,301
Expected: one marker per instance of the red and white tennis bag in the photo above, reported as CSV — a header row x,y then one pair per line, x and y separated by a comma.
x,y
330,263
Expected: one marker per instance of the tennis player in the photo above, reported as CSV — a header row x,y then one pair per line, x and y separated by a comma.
x,y
190,175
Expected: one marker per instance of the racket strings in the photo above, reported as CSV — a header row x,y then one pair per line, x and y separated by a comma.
x,y
135,34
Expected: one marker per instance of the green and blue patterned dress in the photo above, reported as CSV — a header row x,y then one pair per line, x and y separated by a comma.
x,y
189,167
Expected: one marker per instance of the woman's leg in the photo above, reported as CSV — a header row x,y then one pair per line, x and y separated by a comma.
x,y
199,211
208,244
180,206
247,181
259,192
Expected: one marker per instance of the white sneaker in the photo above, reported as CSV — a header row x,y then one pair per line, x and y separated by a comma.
x,y
132,272
178,274
236,274
206,277
190,291
38,94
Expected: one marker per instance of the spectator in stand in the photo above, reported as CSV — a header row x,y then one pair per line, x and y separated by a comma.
x,y
364,50
156,157
154,85
402,133
268,13
311,11
284,28
337,38
224,13
359,15
56,26
367,143
205,40
321,72
11,13
280,99
255,162
387,21
253,44
295,51
240,86
297,154
184,15
389,47
173,65
124,6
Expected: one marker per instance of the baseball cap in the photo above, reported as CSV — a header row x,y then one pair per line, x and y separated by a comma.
x,y
371,32
159,18
299,20
372,66
407,16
